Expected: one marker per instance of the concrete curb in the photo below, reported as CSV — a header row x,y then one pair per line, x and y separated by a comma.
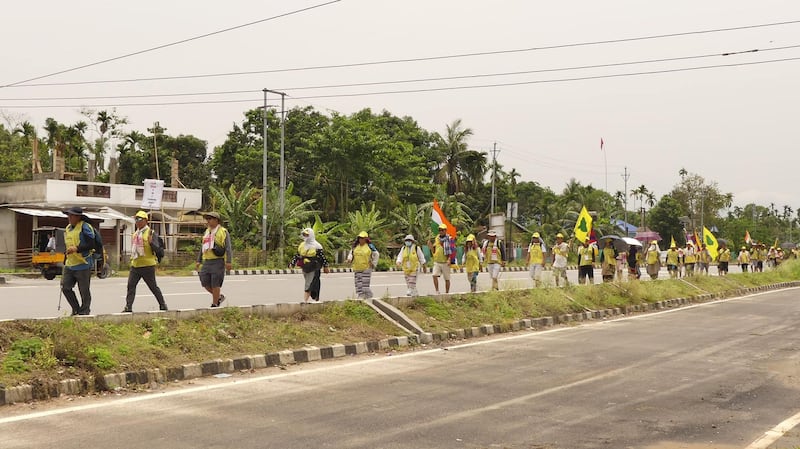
x,y
349,270
154,377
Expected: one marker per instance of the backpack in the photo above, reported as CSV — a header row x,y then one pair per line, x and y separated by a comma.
x,y
97,248
156,245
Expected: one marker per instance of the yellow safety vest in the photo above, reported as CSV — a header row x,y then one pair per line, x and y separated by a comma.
x,y
410,260
361,257
148,259
473,261
536,254
586,254
219,238
438,251
72,237
725,255
672,257
652,257
691,256
608,256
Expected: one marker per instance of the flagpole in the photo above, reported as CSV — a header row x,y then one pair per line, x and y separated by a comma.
x,y
605,161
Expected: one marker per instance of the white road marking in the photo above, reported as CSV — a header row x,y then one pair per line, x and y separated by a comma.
x,y
775,433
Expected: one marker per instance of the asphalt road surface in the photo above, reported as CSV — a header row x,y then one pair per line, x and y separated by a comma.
x,y
39,298
717,375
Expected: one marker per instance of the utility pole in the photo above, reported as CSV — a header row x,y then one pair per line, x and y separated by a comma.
x,y
282,174
494,173
264,180
156,127
625,177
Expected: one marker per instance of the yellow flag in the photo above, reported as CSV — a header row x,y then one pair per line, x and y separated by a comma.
x,y
711,243
776,243
672,242
583,227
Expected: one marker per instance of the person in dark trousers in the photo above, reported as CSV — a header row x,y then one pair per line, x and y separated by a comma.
x,y
311,259
215,256
79,239
143,262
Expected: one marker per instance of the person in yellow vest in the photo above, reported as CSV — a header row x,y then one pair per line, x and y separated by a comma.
x,y
536,254
703,260
585,263
608,260
560,253
79,240
652,258
723,259
689,258
215,256
495,257
143,262
744,259
310,257
759,256
443,256
364,258
672,259
410,259
472,262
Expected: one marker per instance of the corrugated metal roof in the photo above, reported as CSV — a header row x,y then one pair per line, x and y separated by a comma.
x,y
106,214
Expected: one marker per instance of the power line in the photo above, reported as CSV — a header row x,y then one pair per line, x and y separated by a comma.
x,y
408,81
424,90
171,44
390,61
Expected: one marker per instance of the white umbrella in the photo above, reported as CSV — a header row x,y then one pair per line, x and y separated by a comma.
x,y
631,241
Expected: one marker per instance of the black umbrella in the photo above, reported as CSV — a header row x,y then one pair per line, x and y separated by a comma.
x,y
601,241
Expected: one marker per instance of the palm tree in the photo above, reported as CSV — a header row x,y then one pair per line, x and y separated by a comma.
x,y
28,133
411,220
238,207
459,165
364,219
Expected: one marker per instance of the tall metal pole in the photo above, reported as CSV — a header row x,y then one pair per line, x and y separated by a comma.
x,y
264,180
494,174
625,199
283,172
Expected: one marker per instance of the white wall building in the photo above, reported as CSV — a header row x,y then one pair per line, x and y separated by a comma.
x,y
27,205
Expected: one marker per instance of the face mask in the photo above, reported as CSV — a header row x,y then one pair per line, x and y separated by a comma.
x,y
408,244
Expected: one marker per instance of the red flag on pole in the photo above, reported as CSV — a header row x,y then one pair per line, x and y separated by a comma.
x,y
601,143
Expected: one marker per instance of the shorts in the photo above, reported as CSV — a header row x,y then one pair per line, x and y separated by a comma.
x,y
723,266
212,273
585,271
441,269
493,269
560,272
536,272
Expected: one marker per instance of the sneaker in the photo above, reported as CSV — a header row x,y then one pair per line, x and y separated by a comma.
x,y
221,298
127,310
214,305
164,308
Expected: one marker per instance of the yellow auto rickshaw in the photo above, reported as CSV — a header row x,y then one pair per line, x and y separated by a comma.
x,y
48,253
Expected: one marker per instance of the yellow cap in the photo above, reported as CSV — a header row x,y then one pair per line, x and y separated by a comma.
x,y
559,236
442,226
536,234
654,242
363,234
141,214
471,238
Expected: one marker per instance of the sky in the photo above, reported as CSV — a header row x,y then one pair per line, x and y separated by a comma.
x,y
735,125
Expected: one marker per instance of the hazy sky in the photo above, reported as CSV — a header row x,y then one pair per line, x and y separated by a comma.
x,y
737,126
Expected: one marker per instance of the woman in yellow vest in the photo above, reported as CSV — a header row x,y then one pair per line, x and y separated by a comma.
x,y
79,238
364,258
586,263
723,259
689,258
472,262
744,259
608,260
311,260
653,260
410,258
672,261
536,253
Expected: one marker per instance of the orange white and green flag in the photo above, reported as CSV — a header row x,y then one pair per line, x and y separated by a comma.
x,y
747,238
438,218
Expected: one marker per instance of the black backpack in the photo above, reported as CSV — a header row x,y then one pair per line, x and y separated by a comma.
x,y
157,245
97,248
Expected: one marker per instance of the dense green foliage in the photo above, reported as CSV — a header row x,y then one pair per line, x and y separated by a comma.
x,y
375,172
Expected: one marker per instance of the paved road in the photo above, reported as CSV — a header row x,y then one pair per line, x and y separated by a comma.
x,y
718,375
38,298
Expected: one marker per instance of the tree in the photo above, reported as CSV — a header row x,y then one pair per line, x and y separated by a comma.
x,y
458,166
665,219
700,200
